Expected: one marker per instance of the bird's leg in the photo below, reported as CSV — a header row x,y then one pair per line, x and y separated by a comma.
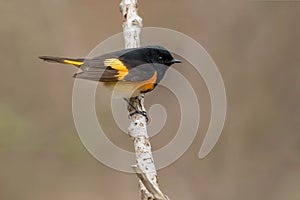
x,y
136,111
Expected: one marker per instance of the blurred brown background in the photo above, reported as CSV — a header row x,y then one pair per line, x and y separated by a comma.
x,y
256,47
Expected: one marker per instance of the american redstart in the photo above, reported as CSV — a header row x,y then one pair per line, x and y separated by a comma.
x,y
129,71
138,69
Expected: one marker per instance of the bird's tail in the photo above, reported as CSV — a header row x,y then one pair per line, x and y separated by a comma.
x,y
69,61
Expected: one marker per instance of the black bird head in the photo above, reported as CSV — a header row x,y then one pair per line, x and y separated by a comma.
x,y
159,54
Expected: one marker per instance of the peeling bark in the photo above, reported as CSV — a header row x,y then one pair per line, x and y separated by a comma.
x,y
144,168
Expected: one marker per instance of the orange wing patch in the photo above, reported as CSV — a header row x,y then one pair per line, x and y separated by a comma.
x,y
117,65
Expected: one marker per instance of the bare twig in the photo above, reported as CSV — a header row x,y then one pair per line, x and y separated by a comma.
x,y
144,168
152,188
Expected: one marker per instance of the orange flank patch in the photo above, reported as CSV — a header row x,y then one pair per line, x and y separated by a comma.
x,y
149,84
117,65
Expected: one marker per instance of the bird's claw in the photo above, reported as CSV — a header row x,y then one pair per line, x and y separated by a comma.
x,y
143,113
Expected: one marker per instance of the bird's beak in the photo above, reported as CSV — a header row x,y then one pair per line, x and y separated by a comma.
x,y
176,61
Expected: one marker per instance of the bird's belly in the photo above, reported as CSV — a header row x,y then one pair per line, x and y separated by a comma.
x,y
127,89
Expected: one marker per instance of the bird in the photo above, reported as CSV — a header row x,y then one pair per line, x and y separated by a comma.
x,y
129,72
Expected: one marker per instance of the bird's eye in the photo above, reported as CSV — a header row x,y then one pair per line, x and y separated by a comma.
x,y
160,58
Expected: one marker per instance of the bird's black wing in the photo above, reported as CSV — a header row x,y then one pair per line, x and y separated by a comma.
x,y
109,69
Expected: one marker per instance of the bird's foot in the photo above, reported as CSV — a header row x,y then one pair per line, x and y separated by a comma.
x,y
143,113
136,111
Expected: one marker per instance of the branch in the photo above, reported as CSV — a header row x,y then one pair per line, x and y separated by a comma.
x,y
152,188
144,168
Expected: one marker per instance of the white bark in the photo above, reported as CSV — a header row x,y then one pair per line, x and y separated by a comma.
x,y
132,23
144,168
